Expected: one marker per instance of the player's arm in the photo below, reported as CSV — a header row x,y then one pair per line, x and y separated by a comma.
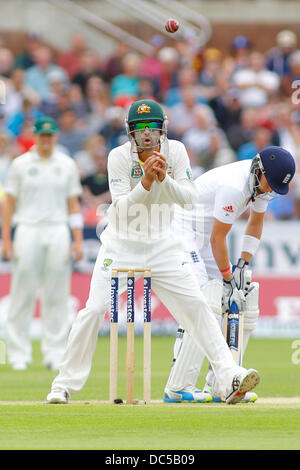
x,y
252,235
8,211
242,274
219,247
76,225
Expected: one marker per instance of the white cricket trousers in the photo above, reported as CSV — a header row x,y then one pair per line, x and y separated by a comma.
x,y
177,288
41,260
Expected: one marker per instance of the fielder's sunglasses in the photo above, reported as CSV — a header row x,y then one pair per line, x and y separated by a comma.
x,y
141,126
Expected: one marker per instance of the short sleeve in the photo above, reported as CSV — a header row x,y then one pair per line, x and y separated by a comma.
x,y
227,204
259,205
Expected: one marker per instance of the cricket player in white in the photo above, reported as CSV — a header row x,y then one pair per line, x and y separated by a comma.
x,y
147,174
42,192
225,193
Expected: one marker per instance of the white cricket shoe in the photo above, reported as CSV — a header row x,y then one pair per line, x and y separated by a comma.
x,y
241,384
58,397
186,396
250,397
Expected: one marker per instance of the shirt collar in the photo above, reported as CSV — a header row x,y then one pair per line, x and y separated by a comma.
x,y
37,157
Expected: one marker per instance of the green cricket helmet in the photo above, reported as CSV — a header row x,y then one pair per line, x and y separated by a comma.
x,y
145,111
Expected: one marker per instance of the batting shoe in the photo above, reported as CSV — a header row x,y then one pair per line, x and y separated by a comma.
x,y
59,397
241,384
186,396
250,397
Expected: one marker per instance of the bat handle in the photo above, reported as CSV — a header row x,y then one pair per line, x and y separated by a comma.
x,y
233,307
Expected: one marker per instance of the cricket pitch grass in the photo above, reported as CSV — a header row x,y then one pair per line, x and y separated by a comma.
x,y
89,422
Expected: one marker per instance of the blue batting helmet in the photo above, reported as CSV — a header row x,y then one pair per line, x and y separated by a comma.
x,y
278,166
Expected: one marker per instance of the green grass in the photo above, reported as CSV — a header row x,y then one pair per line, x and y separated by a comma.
x,y
27,423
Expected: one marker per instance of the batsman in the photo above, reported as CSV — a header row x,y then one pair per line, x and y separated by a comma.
x,y
224,194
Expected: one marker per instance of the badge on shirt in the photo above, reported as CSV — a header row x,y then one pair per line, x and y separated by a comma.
x,y
189,173
106,263
169,170
136,172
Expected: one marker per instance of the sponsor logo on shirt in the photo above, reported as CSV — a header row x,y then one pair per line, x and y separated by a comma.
x,y
136,171
228,209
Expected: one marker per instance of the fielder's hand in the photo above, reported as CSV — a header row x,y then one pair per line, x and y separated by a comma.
x,y
160,166
77,251
242,275
232,294
7,249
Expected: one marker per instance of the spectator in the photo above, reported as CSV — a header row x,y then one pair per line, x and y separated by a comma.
x,y
262,137
94,147
28,111
242,132
58,97
113,65
240,50
25,59
212,63
90,65
114,132
256,83
70,60
227,108
70,136
169,58
78,103
294,77
277,58
187,77
151,66
97,101
126,84
37,76
183,115
288,129
95,186
6,62
207,142
16,91
25,140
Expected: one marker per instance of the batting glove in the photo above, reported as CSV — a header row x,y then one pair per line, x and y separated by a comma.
x,y
242,275
232,294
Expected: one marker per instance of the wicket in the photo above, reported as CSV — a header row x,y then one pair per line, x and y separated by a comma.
x,y
114,314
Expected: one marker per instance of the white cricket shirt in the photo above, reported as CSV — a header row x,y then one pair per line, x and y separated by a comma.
x,y
136,213
223,194
42,187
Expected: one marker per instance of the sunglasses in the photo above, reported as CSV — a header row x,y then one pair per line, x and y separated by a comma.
x,y
141,126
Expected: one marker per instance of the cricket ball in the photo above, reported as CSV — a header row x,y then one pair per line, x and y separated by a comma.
x,y
171,26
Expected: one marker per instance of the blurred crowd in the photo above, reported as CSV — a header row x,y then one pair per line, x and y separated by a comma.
x,y
223,107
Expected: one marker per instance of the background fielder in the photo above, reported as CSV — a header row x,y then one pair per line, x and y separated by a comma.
x,y
225,193
42,195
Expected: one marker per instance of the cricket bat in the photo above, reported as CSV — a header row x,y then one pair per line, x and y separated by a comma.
x,y
233,331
